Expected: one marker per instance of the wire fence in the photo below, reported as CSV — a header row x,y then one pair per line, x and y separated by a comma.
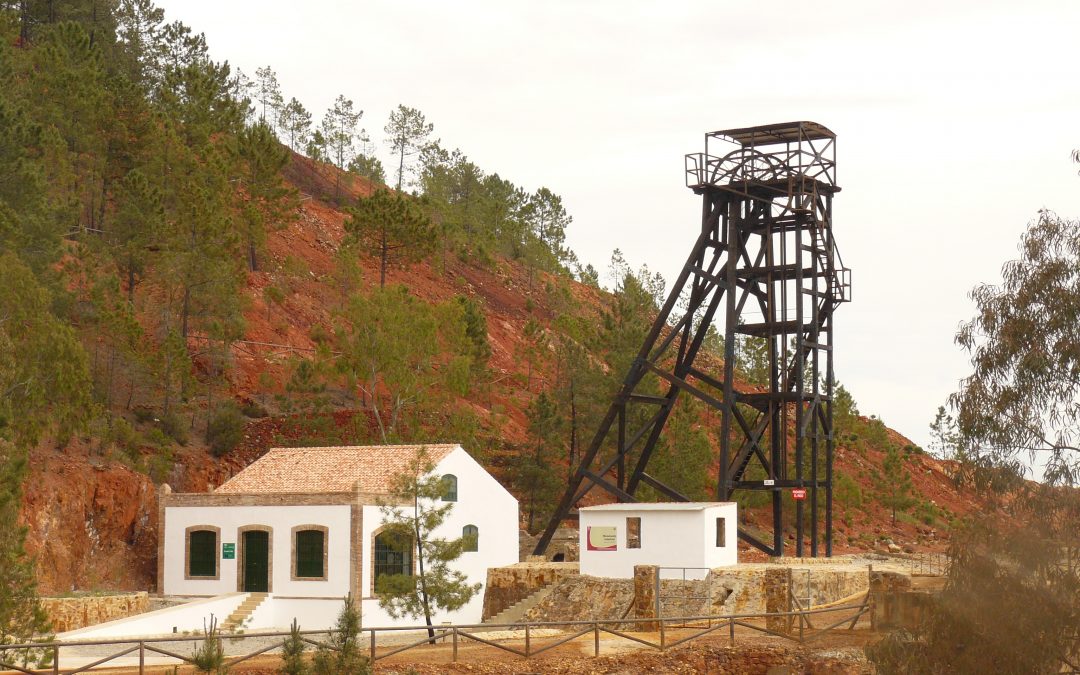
x,y
137,650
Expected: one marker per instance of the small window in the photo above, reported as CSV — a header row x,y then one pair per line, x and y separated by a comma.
x,y
310,545
392,557
449,488
202,554
721,533
471,535
633,532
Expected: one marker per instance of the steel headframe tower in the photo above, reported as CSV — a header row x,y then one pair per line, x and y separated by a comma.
x,y
765,259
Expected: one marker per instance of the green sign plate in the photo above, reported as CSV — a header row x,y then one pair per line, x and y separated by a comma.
x,y
228,551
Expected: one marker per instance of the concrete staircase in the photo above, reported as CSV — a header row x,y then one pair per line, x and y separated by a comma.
x,y
514,612
239,616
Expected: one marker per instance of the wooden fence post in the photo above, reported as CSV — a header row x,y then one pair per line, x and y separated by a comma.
x,y
455,645
373,647
596,639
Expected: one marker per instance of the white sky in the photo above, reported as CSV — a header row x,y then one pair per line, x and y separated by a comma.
x,y
955,121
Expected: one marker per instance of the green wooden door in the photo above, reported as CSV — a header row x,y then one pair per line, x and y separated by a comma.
x,y
256,561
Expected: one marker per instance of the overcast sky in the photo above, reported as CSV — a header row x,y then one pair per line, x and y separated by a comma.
x,y
955,122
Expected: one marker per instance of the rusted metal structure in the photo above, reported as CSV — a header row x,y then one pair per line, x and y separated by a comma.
x,y
765,260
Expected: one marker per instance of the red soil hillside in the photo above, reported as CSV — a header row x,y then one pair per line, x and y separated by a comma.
x,y
93,521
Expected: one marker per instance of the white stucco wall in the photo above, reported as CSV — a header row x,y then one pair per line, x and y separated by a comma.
x,y
482,502
336,518
669,538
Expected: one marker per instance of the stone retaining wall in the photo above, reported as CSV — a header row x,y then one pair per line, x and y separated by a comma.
x,y
86,610
507,585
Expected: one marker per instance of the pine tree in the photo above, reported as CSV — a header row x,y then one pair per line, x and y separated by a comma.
x,y
893,483
392,227
21,614
549,222
268,96
396,351
44,386
537,473
407,132
295,124
138,222
436,585
269,199
139,31
339,129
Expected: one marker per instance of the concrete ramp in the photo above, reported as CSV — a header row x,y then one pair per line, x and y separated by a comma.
x,y
189,618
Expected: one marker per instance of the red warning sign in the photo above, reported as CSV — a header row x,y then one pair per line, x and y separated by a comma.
x,y
798,493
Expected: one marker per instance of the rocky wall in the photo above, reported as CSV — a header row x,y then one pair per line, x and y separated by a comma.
x,y
507,585
86,610
900,602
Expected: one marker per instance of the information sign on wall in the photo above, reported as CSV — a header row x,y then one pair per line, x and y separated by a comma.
x,y
228,551
601,538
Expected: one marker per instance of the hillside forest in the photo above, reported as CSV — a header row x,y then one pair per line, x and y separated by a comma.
x,y
194,268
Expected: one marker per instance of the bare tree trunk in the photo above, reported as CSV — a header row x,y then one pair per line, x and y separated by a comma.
x,y
420,565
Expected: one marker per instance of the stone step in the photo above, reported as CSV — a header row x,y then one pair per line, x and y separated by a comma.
x,y
241,613
514,612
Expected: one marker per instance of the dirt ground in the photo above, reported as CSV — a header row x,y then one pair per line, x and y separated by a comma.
x,y
837,653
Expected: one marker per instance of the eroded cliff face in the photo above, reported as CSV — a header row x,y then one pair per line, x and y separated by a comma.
x,y
93,522
92,528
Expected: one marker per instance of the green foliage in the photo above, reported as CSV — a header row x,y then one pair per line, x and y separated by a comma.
x,y
401,355
684,453
225,430
999,570
21,615
847,492
752,359
536,471
1025,353
435,586
476,334
174,427
269,200
44,376
209,655
344,655
292,653
892,484
392,227
407,133
295,124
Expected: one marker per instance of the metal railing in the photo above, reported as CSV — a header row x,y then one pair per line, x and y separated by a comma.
x,y
459,633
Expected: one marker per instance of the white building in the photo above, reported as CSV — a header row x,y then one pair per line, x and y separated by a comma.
x,y
304,525
696,536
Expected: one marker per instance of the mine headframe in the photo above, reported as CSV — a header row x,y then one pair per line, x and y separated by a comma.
x,y
766,263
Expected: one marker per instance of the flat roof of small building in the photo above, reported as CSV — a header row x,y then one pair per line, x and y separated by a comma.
x,y
654,506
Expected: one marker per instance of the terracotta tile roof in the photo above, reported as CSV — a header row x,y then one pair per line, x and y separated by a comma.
x,y
367,469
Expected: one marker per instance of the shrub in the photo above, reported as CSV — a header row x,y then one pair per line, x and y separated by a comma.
x,y
343,656
253,410
225,429
292,653
125,437
174,427
847,492
161,465
209,656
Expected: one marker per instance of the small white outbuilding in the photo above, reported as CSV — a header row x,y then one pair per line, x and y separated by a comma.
x,y
304,526
696,536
